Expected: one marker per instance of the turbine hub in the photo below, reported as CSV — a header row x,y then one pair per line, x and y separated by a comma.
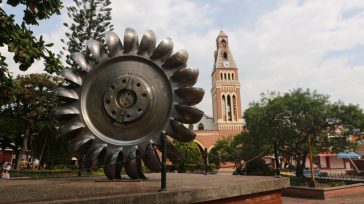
x,y
127,98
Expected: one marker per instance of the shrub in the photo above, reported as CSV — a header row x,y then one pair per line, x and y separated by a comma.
x,y
198,168
42,173
65,167
258,167
297,181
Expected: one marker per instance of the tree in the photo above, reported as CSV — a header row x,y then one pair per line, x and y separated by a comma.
x,y
241,147
20,40
292,118
91,19
6,85
189,153
47,146
30,111
225,150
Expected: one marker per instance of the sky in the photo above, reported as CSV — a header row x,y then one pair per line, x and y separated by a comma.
x,y
278,45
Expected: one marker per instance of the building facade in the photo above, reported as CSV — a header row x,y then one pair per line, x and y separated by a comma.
x,y
227,117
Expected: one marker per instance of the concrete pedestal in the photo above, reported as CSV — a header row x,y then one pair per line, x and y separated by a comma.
x,y
182,188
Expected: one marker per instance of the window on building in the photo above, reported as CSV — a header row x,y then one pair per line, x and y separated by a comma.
x,y
225,56
232,76
223,43
223,108
200,126
235,112
190,127
229,76
225,76
229,109
221,76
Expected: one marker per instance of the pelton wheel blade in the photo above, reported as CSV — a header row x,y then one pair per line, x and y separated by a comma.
x,y
112,166
147,44
133,166
93,154
188,114
81,60
95,48
71,128
151,159
177,61
71,77
66,95
65,111
113,43
180,132
164,50
80,144
186,77
131,42
190,95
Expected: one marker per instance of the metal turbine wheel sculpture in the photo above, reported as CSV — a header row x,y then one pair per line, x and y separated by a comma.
x,y
117,105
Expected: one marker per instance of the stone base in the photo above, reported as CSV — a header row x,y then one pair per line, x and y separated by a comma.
x,y
323,193
181,188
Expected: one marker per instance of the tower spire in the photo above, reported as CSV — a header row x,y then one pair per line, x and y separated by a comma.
x,y
225,89
223,56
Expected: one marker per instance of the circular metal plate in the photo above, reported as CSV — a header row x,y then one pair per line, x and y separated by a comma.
x,y
122,98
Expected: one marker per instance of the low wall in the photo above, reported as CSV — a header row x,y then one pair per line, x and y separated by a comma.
x,y
269,197
323,193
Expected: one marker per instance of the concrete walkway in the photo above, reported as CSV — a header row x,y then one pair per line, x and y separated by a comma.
x,y
182,188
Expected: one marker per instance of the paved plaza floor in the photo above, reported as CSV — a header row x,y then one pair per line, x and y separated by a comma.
x,y
180,186
76,188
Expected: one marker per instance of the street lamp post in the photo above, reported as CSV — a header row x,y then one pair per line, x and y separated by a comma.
x,y
275,145
312,183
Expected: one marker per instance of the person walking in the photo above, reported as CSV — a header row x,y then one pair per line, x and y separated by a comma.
x,y
6,167
3,167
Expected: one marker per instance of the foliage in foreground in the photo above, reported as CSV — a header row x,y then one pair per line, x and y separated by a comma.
x,y
21,41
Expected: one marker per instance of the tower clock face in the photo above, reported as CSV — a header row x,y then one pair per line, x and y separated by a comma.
x,y
225,63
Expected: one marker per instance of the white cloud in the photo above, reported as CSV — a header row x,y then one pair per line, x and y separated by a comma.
x,y
288,47
285,48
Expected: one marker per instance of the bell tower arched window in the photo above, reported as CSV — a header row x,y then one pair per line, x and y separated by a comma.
x,y
223,104
200,126
235,113
225,56
229,109
223,43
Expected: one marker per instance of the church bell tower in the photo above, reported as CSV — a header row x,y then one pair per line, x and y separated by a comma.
x,y
225,89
